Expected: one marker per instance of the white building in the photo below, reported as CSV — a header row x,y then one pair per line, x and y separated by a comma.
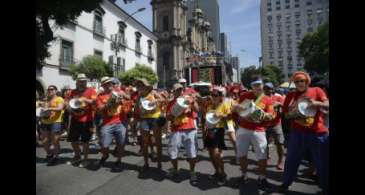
x,y
284,23
91,34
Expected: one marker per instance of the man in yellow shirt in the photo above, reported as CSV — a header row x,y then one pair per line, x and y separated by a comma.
x,y
51,124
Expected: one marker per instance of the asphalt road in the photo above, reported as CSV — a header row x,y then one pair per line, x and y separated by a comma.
x,y
68,180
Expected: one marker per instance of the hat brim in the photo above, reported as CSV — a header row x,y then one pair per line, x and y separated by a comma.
x,y
107,81
81,79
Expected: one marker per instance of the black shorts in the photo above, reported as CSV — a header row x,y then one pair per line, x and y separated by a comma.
x,y
161,121
215,138
80,130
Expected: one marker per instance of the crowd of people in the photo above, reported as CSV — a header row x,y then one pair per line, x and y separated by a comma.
x,y
114,112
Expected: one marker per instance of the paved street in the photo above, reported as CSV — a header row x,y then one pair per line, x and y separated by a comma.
x,y
69,180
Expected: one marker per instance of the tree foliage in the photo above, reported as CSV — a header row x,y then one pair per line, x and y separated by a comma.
x,y
315,50
94,67
270,73
139,71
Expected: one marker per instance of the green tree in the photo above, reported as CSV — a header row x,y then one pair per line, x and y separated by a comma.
x,y
248,73
315,50
94,67
61,11
139,71
273,74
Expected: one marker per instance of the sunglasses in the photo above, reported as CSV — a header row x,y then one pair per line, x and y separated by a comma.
x,y
299,81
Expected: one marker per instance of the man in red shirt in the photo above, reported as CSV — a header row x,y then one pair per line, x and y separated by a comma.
x,y
252,130
183,132
275,129
81,120
112,122
307,133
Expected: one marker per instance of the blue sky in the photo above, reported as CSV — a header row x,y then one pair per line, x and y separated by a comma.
x,y
240,19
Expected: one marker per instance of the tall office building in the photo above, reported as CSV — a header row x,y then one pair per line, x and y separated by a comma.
x,y
224,44
283,25
211,12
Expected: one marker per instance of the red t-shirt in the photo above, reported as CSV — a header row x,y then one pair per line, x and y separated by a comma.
x,y
279,99
88,115
182,123
110,116
313,124
265,104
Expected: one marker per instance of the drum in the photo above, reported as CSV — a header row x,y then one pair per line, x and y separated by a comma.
x,y
249,108
45,113
304,110
147,105
38,112
211,119
179,107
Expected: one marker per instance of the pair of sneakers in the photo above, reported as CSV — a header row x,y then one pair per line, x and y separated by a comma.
x,y
77,161
173,173
51,160
220,178
263,184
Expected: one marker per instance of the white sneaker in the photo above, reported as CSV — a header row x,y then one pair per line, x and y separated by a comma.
x,y
163,136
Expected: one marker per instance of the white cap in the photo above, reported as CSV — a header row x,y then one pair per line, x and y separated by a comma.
x,y
182,80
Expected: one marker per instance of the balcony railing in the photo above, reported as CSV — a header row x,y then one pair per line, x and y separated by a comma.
x,y
64,64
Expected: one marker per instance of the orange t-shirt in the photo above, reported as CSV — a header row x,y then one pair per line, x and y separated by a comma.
x,y
184,122
311,124
88,115
112,115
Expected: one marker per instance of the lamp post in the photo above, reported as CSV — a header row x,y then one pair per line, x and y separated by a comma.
x,y
116,44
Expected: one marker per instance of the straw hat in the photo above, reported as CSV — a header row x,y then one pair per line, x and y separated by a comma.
x,y
105,80
81,77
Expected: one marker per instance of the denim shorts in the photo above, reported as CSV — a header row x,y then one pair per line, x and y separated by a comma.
x,y
108,131
148,124
53,128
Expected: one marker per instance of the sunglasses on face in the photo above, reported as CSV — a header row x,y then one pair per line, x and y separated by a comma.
x,y
299,81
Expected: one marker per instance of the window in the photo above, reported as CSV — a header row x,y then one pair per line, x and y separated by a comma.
x,y
287,6
310,29
150,54
287,1
278,8
98,23
296,5
309,12
121,33
278,17
98,53
269,9
271,55
269,18
309,21
297,15
309,3
138,42
66,53
165,23
280,63
277,2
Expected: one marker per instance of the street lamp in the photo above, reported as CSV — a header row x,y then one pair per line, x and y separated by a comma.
x,y
116,41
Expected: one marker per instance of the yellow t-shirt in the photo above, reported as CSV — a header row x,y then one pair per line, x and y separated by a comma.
x,y
225,108
157,112
56,116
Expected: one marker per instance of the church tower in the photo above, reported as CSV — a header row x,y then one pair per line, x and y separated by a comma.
x,y
169,25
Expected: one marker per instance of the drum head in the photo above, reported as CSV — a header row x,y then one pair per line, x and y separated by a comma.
x,y
75,103
146,105
211,119
304,110
250,108
182,102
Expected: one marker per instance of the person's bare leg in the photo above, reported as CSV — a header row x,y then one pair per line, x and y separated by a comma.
x,y
280,151
46,141
145,142
220,161
56,144
76,148
192,162
85,150
213,159
243,164
120,150
262,167
158,142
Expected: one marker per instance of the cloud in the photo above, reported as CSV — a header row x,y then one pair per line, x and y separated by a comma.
x,y
243,5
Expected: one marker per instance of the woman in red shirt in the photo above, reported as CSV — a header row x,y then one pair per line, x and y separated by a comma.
x,y
307,133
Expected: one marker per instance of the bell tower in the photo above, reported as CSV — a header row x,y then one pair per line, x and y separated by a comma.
x,y
169,25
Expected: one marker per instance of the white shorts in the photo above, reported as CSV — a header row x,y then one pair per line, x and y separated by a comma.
x,y
186,138
246,137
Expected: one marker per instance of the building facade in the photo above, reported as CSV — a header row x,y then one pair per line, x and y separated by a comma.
x,y
283,25
211,14
109,32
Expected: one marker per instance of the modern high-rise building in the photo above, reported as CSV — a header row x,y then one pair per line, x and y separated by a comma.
x,y
224,44
283,25
211,12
